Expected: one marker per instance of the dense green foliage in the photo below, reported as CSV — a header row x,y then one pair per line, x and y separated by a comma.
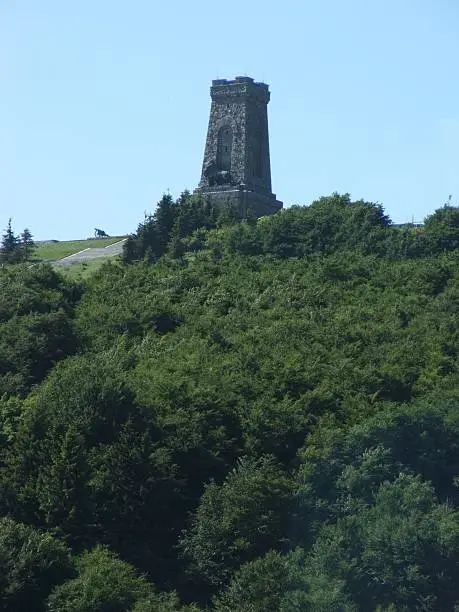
x,y
104,582
31,564
165,230
254,416
36,325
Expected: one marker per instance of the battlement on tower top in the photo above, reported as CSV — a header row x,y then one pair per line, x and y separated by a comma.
x,y
238,79
239,86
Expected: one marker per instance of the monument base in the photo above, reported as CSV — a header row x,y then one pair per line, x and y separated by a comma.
x,y
247,202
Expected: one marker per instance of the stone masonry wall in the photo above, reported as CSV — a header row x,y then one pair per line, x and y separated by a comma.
x,y
242,105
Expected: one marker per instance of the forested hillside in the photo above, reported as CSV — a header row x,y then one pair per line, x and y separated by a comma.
x,y
242,416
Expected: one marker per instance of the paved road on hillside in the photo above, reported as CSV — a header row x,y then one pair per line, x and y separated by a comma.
x,y
87,254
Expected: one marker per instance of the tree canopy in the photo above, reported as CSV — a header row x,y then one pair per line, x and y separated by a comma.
x,y
241,415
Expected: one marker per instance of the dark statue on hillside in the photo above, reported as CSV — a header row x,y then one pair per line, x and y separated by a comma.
x,y
98,233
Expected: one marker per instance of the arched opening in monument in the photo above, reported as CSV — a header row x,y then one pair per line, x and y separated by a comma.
x,y
224,147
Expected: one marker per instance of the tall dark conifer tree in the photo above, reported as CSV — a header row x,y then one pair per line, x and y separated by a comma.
x,y
9,249
27,245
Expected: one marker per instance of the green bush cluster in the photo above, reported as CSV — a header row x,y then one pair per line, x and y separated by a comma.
x,y
254,416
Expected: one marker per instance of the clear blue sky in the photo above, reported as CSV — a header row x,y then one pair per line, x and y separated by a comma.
x,y
104,103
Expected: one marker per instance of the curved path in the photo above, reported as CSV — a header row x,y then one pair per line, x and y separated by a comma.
x,y
87,254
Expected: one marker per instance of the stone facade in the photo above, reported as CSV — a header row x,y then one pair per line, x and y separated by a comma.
x,y
236,167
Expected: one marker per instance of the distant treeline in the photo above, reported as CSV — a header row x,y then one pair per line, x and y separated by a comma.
x,y
328,225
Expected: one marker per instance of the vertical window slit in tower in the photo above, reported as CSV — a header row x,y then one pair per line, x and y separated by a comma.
x,y
224,147
258,155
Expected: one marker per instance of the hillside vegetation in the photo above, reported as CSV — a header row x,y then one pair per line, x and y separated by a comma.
x,y
243,416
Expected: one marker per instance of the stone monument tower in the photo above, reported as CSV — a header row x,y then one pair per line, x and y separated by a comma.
x,y
236,167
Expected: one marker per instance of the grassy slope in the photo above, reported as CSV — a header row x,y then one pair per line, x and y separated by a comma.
x,y
59,250
80,271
